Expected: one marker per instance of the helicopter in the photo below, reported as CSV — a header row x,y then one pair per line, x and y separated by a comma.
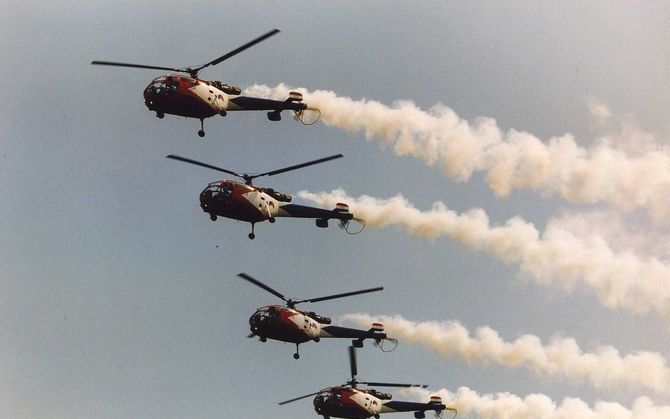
x,y
189,96
245,202
287,324
350,402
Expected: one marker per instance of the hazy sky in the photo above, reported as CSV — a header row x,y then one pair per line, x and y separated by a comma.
x,y
119,297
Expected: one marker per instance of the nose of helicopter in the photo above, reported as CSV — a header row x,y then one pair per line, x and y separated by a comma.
x,y
254,323
153,91
215,196
205,198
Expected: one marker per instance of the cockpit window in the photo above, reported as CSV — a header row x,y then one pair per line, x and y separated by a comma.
x,y
157,85
265,313
219,190
172,84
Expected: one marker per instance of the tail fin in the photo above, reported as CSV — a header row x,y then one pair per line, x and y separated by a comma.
x,y
294,97
436,401
341,207
377,327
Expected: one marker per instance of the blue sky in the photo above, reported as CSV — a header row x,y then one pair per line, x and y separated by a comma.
x,y
118,295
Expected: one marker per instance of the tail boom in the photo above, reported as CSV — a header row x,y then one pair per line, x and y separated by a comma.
x,y
417,408
349,333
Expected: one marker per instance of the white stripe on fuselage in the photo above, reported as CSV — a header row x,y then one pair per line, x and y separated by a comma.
x,y
263,203
213,97
368,402
308,325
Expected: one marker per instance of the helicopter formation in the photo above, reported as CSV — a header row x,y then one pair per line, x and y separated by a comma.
x,y
183,93
287,324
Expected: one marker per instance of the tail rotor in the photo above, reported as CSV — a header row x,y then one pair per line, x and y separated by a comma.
x,y
386,344
346,218
352,226
309,116
306,115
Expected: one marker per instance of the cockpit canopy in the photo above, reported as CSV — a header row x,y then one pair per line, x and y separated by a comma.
x,y
265,313
216,194
167,84
332,395
218,190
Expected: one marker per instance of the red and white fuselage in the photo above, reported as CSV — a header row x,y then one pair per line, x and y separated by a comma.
x,y
290,325
182,95
352,403
239,201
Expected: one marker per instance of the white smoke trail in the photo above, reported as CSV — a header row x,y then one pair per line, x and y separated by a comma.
x,y
512,160
621,232
507,406
555,257
562,358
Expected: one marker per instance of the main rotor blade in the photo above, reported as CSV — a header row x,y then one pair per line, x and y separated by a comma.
x,y
298,398
262,285
344,294
376,384
150,67
352,363
208,166
240,49
299,166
